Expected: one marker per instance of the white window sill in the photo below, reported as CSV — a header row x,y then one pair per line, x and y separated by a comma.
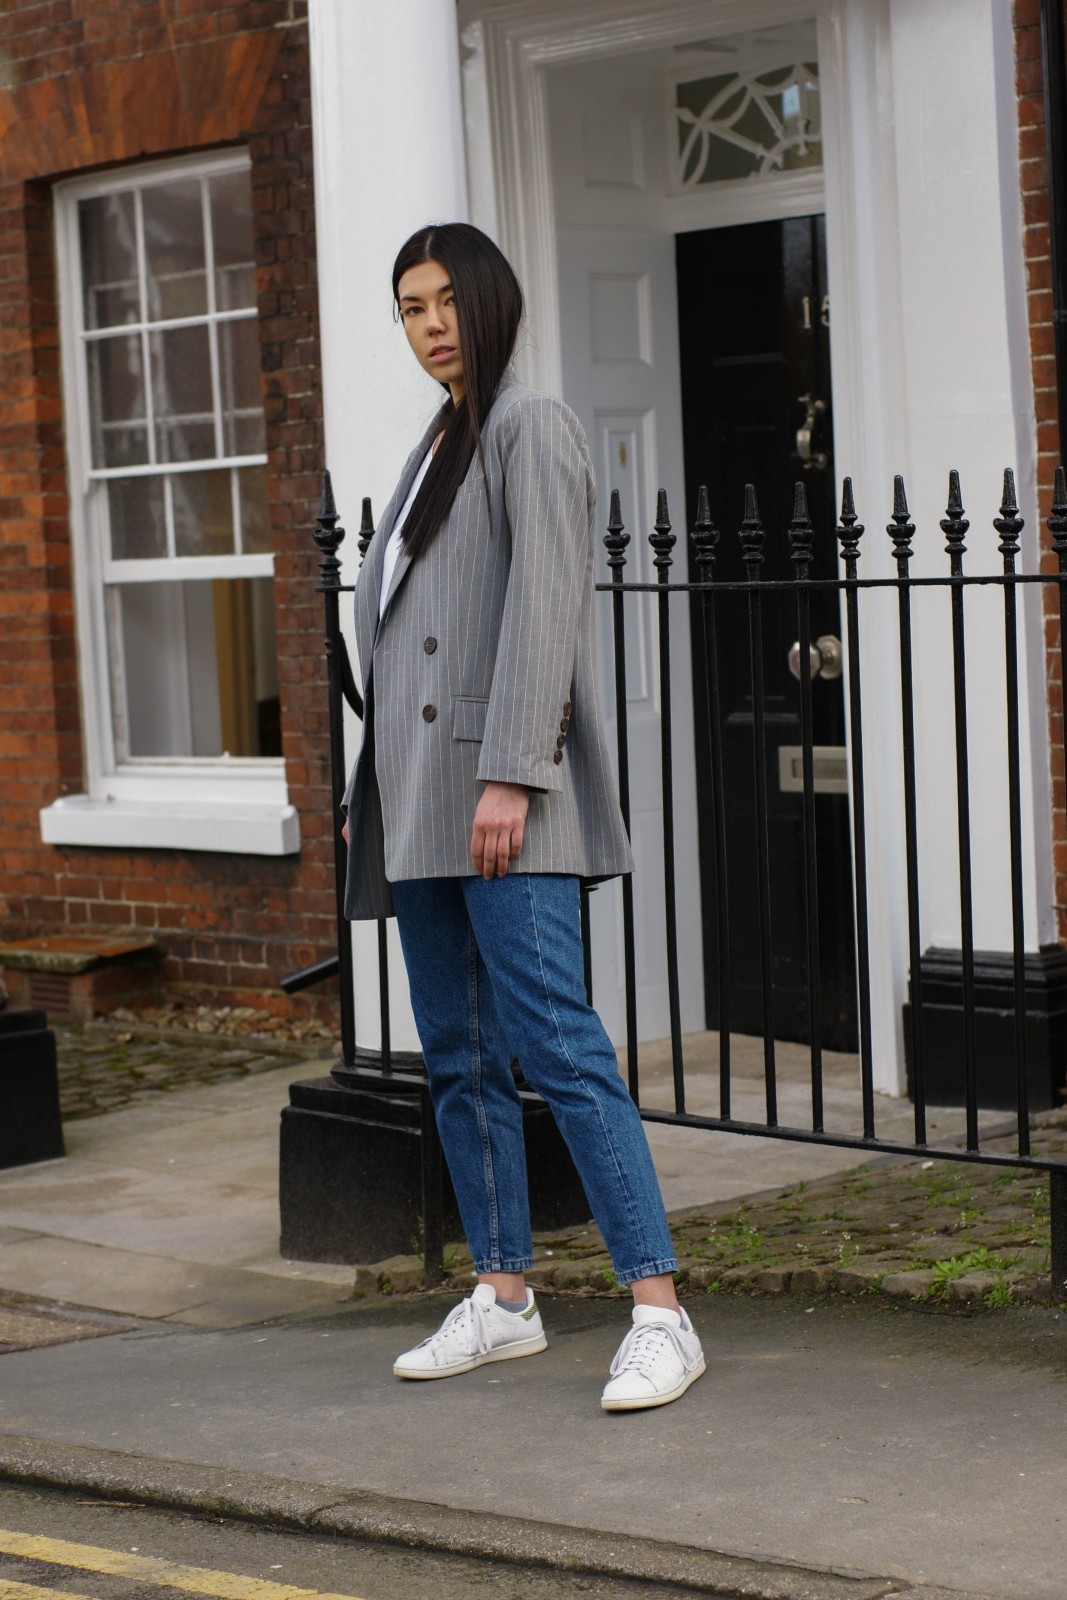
x,y
238,827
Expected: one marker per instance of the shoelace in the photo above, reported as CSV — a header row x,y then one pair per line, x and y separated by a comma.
x,y
643,1344
476,1332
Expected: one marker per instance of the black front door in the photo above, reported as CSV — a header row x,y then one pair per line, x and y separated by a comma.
x,y
754,337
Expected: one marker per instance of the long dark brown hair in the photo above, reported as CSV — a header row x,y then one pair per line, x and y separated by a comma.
x,y
489,309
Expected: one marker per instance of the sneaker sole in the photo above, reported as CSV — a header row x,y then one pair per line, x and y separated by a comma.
x,y
507,1352
656,1399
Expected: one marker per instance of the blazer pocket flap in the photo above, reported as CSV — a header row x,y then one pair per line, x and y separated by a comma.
x,y
468,718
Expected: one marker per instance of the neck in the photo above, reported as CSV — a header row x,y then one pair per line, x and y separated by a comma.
x,y
457,390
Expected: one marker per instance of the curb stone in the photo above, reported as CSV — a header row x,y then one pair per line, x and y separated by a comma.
x,y
348,1513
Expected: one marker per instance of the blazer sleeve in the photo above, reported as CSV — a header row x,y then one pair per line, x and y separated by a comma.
x,y
547,487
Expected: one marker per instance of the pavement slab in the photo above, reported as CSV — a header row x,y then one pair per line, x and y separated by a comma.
x,y
857,1439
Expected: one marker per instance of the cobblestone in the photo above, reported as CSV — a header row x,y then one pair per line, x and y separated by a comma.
x,y
875,1229
104,1066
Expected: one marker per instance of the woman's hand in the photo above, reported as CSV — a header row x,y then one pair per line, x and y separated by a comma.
x,y
344,831
499,825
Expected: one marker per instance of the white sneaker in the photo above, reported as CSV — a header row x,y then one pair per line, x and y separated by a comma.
x,y
656,1362
475,1332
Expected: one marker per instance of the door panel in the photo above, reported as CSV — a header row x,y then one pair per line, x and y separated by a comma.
x,y
754,322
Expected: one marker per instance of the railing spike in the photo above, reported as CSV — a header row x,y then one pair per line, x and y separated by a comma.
x,y
616,539
329,536
801,532
662,539
1057,521
327,505
954,525
850,529
366,527
751,531
705,536
1009,524
901,529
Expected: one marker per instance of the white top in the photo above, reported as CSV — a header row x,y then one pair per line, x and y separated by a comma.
x,y
392,549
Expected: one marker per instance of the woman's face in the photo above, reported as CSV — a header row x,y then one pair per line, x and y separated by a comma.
x,y
428,312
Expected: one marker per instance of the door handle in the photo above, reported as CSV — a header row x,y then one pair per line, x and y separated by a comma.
x,y
826,658
814,410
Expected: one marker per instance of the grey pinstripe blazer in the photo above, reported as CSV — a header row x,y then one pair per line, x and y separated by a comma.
x,y
482,667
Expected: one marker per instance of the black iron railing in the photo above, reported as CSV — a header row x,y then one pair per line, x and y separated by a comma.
x,y
707,596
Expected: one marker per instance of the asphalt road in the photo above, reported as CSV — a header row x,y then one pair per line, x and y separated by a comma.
x,y
237,1558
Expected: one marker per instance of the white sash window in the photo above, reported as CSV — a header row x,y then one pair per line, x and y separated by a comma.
x,y
168,476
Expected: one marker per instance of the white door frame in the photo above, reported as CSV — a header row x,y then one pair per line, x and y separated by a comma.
x,y
924,364
519,41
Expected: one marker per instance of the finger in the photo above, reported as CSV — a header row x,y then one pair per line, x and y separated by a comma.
x,y
516,840
477,846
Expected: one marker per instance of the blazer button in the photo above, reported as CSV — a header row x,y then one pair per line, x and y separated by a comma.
x,y
567,708
561,741
565,723
429,645
557,756
429,713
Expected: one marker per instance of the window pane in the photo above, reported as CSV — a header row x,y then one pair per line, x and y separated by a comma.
x,y
136,518
181,391
108,233
231,229
174,249
117,401
194,668
255,511
203,513
242,404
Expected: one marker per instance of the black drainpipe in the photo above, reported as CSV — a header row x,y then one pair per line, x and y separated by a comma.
x,y
1054,63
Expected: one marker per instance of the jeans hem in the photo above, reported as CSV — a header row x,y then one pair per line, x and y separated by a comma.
x,y
519,1264
651,1269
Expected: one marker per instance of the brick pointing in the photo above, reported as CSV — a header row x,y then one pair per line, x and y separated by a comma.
x,y
85,84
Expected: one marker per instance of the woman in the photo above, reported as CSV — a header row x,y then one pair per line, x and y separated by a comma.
x,y
481,795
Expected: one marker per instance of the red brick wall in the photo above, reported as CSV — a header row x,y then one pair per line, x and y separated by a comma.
x,y
1034,175
85,84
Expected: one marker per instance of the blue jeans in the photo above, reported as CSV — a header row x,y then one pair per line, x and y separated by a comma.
x,y
495,971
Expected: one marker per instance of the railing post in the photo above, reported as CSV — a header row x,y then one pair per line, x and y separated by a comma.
x,y
705,537
752,538
1009,525
615,540
902,530
954,525
849,532
329,536
662,541
801,539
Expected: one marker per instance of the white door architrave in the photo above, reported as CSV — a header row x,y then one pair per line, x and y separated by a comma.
x,y
928,363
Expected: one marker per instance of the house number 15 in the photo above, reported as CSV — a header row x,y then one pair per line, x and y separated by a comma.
x,y
824,311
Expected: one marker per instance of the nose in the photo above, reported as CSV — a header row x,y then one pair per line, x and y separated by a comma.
x,y
435,322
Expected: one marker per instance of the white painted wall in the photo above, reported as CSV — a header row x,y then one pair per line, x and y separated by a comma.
x,y
930,372
388,157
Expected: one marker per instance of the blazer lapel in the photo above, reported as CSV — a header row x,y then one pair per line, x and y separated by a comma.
x,y
403,489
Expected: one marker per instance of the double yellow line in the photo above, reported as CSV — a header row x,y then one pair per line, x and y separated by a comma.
x,y
124,1564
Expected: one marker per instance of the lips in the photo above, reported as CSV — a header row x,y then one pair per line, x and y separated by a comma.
x,y
441,351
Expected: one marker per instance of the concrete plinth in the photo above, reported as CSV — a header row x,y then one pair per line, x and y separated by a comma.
x,y
351,1172
30,1126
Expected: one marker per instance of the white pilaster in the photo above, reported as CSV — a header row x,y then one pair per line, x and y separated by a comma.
x,y
931,372
388,157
